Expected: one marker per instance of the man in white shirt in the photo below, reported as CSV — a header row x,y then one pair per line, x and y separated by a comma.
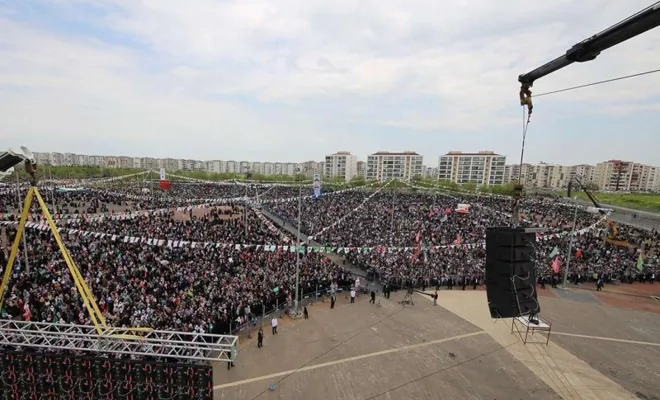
x,y
353,296
273,323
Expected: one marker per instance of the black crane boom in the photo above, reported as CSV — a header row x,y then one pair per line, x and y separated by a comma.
x,y
591,48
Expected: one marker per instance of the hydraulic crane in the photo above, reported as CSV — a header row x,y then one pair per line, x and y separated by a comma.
x,y
589,49
586,50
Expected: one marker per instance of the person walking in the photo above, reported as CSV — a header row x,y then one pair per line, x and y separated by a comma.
x,y
352,296
333,299
435,298
273,323
305,313
260,338
373,297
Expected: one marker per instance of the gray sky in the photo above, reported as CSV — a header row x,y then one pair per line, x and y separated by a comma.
x,y
292,80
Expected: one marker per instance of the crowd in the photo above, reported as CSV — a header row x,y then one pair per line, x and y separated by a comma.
x,y
397,225
239,263
401,219
207,288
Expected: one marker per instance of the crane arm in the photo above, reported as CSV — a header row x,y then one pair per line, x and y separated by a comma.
x,y
591,48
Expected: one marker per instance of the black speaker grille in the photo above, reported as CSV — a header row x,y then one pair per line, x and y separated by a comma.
x,y
510,274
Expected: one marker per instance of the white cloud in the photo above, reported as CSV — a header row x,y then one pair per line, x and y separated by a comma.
x,y
322,71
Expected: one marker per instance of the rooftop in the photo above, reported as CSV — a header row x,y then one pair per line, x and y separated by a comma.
x,y
480,153
388,153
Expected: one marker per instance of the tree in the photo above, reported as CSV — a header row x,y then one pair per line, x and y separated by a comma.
x,y
469,186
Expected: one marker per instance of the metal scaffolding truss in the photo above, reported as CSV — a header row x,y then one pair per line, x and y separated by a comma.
x,y
124,341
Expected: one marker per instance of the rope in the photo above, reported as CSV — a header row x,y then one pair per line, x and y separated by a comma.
x,y
598,83
526,120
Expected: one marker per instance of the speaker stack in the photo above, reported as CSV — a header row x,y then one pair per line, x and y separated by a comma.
x,y
510,274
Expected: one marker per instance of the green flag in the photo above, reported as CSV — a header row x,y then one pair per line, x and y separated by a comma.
x,y
640,263
554,252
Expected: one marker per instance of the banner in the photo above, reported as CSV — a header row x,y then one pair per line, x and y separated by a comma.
x,y
163,176
316,186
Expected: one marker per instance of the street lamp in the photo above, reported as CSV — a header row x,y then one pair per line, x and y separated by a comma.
x,y
247,172
570,243
295,302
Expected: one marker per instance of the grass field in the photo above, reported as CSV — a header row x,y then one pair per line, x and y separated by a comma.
x,y
638,201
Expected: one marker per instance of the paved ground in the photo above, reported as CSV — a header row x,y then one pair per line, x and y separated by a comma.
x,y
360,351
633,366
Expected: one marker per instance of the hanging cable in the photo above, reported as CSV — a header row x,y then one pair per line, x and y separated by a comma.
x,y
599,82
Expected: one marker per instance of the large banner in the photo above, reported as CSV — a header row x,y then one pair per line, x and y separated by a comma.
x,y
316,186
163,176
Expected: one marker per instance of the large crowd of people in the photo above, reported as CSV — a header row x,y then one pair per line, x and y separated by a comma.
x,y
197,256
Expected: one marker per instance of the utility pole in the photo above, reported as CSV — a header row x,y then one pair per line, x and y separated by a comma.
x,y
570,243
247,169
295,302
18,203
52,191
392,220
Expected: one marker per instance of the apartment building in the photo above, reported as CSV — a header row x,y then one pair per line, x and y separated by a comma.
x,y
342,164
362,169
309,168
383,165
430,172
618,175
482,168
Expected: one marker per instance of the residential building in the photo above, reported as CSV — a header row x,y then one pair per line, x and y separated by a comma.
x,y
149,163
43,158
112,162
584,172
309,168
482,168
233,167
547,176
430,172
618,175
216,166
171,164
268,168
82,159
289,169
383,165
342,164
362,169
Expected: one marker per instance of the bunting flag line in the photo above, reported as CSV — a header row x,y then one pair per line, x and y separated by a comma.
x,y
269,247
203,203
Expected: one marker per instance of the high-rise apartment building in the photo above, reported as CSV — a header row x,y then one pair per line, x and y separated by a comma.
x,y
482,168
618,175
383,166
342,164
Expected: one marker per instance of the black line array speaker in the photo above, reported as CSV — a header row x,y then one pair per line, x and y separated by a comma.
x,y
510,274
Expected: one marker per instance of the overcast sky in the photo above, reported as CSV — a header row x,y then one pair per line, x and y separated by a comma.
x,y
293,80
